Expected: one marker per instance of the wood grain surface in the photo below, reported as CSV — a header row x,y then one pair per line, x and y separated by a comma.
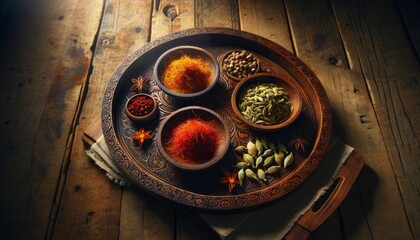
x,y
57,56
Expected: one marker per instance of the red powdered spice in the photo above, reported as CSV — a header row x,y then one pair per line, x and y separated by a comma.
x,y
140,105
194,141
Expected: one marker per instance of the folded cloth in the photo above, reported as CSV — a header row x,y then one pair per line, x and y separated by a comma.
x,y
100,154
268,222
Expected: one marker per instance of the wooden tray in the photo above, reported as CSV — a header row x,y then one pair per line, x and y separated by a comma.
x,y
149,171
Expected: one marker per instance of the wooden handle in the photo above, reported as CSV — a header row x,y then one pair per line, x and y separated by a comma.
x,y
315,216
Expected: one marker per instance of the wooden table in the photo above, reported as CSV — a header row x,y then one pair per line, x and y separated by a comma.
x,y
57,56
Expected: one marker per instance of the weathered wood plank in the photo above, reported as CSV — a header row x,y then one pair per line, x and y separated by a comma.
x,y
45,59
409,12
100,209
144,217
377,40
316,44
267,19
217,13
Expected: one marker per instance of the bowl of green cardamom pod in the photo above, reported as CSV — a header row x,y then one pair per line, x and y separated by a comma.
x,y
266,102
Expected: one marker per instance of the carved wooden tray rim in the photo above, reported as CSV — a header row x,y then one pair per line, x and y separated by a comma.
x,y
149,181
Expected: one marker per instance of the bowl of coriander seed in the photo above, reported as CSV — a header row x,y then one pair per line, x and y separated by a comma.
x,y
239,64
266,102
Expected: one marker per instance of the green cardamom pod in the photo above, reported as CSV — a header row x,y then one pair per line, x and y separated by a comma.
x,y
241,176
272,169
268,161
252,150
248,159
258,161
288,160
259,146
268,152
241,165
250,174
282,148
278,157
261,174
241,150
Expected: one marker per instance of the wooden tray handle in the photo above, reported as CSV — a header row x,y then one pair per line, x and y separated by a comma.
x,y
316,215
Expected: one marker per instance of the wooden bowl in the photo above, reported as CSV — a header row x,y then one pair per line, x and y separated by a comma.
x,y
164,136
175,53
142,118
289,87
225,64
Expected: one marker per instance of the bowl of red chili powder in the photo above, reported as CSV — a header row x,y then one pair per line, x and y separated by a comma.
x,y
193,138
186,72
141,107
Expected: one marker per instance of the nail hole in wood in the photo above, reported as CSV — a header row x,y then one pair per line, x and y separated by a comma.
x,y
106,42
332,61
364,119
355,90
171,11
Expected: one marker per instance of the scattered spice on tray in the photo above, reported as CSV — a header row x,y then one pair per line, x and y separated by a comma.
x,y
261,158
230,179
187,75
299,143
240,64
141,136
140,105
194,141
139,84
265,104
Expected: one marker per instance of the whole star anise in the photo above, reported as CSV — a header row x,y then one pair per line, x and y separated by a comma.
x,y
299,143
141,136
139,84
230,179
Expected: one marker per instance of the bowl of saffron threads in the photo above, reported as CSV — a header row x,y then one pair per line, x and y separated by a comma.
x,y
141,108
186,72
193,138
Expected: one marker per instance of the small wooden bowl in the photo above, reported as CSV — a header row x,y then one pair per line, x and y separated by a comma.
x,y
289,87
224,65
180,116
175,53
144,118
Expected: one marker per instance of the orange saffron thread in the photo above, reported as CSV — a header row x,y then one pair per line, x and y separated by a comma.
x,y
194,141
187,75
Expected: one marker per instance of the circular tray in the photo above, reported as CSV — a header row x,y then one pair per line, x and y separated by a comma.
x,y
145,167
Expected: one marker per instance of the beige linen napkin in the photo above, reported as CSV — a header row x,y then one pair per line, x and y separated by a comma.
x,y
269,222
